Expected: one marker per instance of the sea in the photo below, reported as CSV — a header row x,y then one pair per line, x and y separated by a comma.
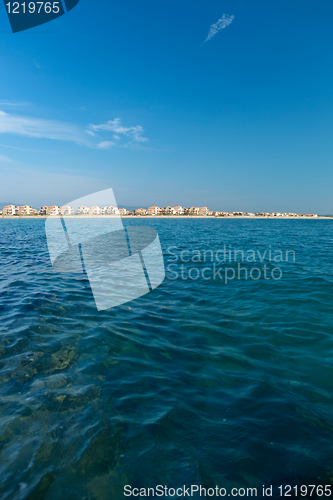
x,y
221,377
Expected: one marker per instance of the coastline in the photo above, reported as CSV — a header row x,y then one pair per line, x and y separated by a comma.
x,y
159,217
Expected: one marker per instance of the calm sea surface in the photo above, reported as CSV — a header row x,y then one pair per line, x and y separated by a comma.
x,y
205,380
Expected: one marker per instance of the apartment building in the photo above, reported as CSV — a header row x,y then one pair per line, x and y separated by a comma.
x,y
179,210
110,210
95,210
24,210
140,211
168,211
67,210
203,211
9,210
83,210
193,210
53,210
123,211
154,210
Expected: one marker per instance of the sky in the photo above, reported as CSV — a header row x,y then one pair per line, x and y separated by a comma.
x,y
225,104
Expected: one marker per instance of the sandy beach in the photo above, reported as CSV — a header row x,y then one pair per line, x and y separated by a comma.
x,y
159,217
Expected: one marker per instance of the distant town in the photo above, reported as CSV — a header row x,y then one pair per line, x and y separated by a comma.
x,y
26,210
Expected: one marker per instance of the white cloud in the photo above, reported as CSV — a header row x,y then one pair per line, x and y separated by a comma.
x,y
105,144
222,23
134,134
39,128
61,131
4,158
13,104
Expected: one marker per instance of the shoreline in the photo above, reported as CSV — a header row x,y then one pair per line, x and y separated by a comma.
x,y
160,217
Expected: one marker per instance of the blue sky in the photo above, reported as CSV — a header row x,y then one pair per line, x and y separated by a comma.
x,y
132,95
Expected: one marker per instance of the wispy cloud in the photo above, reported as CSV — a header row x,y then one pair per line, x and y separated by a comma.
x,y
105,144
103,136
39,128
222,23
13,104
122,135
4,158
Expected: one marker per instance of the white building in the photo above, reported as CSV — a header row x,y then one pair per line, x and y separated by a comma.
x,y
169,211
67,210
203,211
83,210
9,210
53,210
179,210
110,210
95,211
24,210
154,210
140,211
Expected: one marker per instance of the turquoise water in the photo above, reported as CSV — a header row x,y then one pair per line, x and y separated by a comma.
x,y
201,381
